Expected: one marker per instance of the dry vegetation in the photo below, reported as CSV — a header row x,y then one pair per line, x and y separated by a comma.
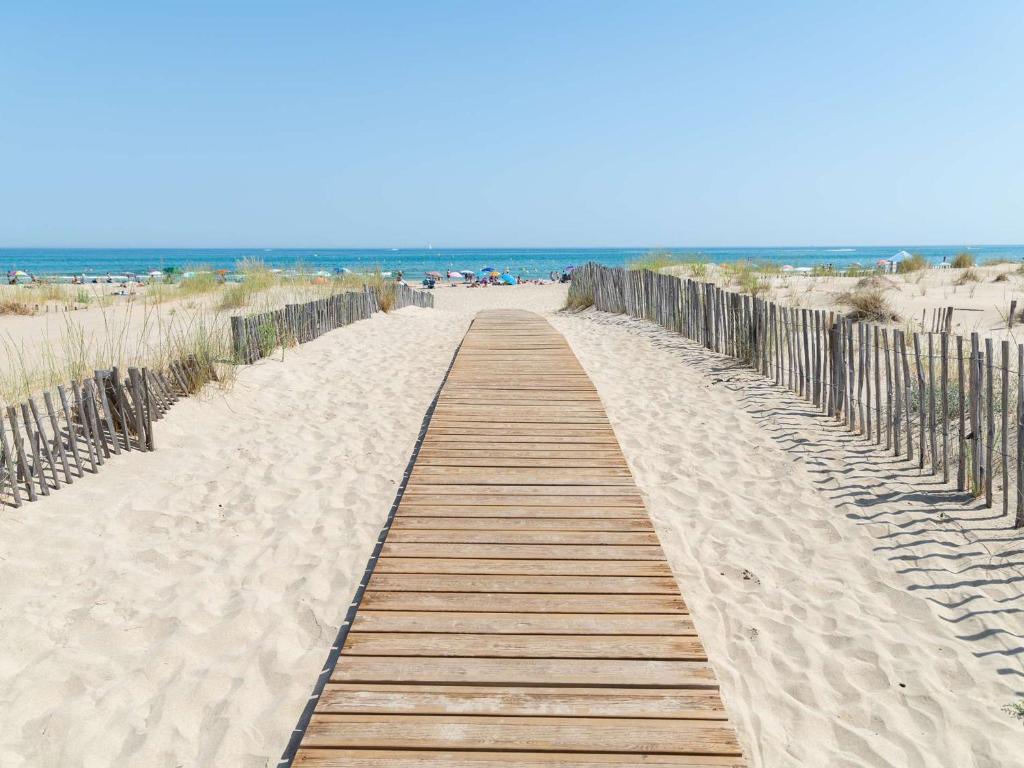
x,y
969,275
164,322
15,307
962,260
916,263
868,304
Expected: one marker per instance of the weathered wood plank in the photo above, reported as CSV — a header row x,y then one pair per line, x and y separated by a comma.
x,y
509,567
521,623
581,585
403,522
376,758
342,698
409,644
455,536
524,551
625,673
541,510
532,733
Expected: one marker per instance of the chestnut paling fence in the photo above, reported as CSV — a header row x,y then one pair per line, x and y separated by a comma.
x,y
255,336
954,405
54,438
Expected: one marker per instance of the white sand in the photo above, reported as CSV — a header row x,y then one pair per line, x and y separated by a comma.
x,y
176,608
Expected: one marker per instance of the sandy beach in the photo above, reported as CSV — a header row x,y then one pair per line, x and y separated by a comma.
x,y
175,609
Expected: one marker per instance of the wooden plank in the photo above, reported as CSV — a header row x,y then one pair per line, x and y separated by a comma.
x,y
581,585
574,476
624,673
541,510
476,490
523,646
521,623
533,733
341,698
524,551
487,460
376,758
503,602
403,522
535,432
553,497
485,452
575,418
498,566
523,438
602,538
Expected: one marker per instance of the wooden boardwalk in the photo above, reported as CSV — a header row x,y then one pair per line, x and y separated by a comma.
x,y
521,611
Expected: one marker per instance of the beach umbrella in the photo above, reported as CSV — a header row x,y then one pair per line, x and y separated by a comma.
x,y
508,279
435,274
897,258
487,269
452,274
483,274
467,272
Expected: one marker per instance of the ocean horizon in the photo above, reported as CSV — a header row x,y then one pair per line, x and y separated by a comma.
x,y
530,263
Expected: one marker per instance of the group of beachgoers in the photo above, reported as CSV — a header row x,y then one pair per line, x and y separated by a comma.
x,y
486,278
19,277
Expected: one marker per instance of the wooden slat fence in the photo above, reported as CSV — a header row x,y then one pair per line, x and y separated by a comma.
x,y
948,403
253,337
55,437
52,439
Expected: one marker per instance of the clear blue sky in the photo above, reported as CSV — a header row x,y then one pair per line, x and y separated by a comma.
x,y
516,123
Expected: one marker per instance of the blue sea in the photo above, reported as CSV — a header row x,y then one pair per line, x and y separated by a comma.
x,y
414,262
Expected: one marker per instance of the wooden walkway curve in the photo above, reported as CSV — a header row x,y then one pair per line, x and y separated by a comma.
x,y
521,611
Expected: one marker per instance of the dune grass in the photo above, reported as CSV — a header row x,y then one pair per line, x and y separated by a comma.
x,y
658,260
962,260
915,263
868,303
15,306
969,275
